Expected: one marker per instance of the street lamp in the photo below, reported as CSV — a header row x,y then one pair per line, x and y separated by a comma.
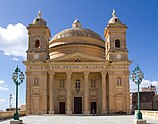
x,y
137,77
18,78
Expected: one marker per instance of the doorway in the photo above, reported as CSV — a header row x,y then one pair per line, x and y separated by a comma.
x,y
93,107
77,105
62,107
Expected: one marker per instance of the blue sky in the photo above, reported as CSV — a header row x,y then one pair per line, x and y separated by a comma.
x,y
15,15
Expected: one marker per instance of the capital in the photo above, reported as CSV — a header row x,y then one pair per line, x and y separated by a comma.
x,y
68,73
103,72
86,73
51,73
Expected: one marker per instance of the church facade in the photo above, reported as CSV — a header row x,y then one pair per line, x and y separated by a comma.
x,y
77,72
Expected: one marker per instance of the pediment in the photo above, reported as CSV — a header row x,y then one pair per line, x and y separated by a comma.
x,y
77,57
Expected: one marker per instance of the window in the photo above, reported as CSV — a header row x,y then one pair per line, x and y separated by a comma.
x,y
37,43
62,84
35,82
118,81
77,60
77,84
117,43
93,84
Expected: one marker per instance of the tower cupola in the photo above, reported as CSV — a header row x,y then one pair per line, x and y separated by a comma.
x,y
114,18
38,20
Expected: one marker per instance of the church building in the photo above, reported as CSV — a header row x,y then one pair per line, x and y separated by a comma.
x,y
77,71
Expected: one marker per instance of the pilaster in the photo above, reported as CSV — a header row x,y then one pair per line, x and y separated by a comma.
x,y
68,93
86,93
111,93
104,95
28,93
127,92
44,93
51,93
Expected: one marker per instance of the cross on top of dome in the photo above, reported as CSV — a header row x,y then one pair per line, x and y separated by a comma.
x,y
39,14
113,13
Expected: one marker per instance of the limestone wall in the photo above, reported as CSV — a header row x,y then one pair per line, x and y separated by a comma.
x,y
10,114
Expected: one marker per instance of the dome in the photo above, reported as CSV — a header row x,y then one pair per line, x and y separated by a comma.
x,y
77,32
114,19
76,40
39,20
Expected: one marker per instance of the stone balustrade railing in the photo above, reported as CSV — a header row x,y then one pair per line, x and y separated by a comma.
x,y
150,114
10,114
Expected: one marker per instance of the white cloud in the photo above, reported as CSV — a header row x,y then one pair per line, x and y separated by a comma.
x,y
144,83
15,59
2,104
13,40
2,101
3,86
20,101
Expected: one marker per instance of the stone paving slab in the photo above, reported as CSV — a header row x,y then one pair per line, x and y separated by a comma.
x,y
65,119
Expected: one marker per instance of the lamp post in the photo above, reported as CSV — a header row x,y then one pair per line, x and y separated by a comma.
x,y
18,78
137,77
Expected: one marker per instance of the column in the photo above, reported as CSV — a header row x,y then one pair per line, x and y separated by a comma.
x,y
86,94
45,93
127,91
104,109
51,93
68,93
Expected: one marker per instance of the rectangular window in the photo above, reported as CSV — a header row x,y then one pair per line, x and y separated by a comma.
x,y
118,81
62,84
77,84
93,83
35,82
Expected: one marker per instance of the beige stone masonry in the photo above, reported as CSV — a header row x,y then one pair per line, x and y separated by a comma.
x,y
68,93
86,93
51,92
104,109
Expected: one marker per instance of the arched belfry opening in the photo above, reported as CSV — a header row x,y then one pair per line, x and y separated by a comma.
x,y
117,43
37,43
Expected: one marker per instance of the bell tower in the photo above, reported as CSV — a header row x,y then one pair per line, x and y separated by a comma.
x,y
39,34
115,35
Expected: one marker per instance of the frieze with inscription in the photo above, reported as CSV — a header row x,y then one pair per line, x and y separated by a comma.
x,y
77,66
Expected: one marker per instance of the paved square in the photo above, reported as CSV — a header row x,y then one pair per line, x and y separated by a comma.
x,y
65,119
